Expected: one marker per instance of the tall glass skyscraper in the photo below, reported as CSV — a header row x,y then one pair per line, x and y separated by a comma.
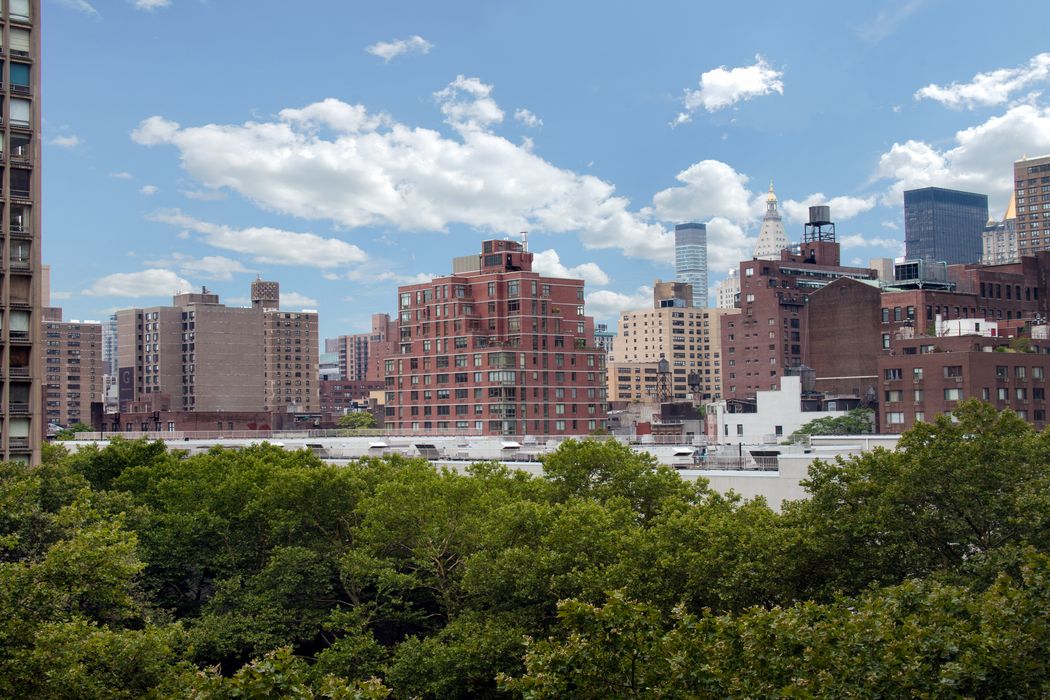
x,y
690,259
944,225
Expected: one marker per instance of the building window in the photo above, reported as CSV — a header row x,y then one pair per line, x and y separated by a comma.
x,y
953,371
954,394
895,418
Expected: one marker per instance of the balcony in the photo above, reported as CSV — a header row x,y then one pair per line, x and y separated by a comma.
x,y
18,263
18,372
18,408
19,336
18,443
17,89
20,194
21,154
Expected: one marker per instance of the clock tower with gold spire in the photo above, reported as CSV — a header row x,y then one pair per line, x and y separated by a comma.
x,y
771,237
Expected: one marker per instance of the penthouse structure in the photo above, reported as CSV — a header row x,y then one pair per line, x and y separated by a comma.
x,y
21,309
495,349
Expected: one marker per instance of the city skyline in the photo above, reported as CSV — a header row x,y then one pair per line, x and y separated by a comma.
x,y
360,160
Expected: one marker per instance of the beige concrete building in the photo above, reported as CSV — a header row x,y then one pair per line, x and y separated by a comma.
x,y
21,309
73,368
203,355
633,381
689,338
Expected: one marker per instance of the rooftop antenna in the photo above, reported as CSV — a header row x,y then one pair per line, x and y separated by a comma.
x,y
525,241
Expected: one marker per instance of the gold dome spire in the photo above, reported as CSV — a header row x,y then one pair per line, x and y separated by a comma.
x,y
772,197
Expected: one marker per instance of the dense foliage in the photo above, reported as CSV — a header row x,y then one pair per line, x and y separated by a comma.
x,y
132,571
859,421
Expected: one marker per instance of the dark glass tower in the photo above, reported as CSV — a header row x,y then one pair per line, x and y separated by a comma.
x,y
944,225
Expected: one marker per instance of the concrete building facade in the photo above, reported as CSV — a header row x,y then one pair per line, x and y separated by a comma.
x,y
22,424
495,349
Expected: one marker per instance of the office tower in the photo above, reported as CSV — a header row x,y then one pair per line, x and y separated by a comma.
x,y
944,225
772,238
198,354
495,349
73,368
690,259
291,360
21,423
1032,200
689,338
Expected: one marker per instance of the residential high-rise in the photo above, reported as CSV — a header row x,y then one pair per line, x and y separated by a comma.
x,y
109,363
728,290
21,309
291,360
353,355
690,259
689,338
1032,200
203,355
772,238
495,349
73,368
382,344
944,225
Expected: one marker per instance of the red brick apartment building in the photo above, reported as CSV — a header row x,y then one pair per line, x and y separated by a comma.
x,y
495,349
772,331
927,376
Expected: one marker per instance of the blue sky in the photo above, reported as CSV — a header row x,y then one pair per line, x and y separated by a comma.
x,y
345,148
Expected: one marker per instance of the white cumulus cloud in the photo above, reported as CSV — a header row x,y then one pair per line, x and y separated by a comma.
x,y
857,240
389,50
709,188
148,190
269,245
150,4
297,301
992,88
724,87
368,170
605,305
842,208
154,282
80,6
212,267
527,118
980,159
66,141
549,263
